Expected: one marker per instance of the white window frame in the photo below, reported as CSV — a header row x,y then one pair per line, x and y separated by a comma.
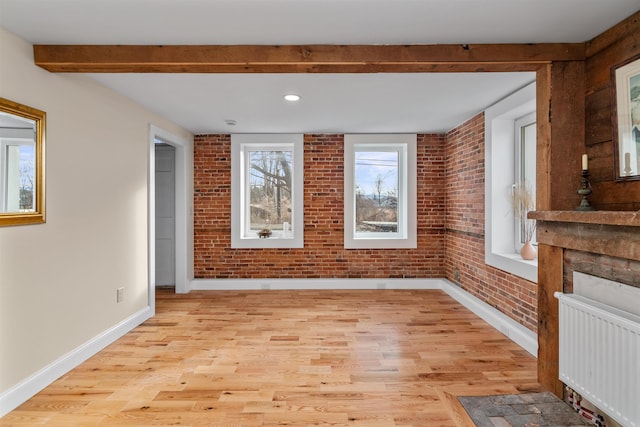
x,y
405,145
499,178
9,183
241,144
530,159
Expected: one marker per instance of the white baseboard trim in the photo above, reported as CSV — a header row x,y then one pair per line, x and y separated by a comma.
x,y
23,391
519,334
311,284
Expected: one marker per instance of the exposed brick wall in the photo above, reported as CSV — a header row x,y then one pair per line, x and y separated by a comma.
x,y
323,255
464,222
212,199
450,222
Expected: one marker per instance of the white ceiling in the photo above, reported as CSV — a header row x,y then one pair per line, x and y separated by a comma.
x,y
330,102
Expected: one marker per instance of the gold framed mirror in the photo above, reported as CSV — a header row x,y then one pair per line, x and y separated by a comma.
x,y
22,193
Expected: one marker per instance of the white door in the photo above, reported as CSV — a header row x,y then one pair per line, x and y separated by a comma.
x,y
165,215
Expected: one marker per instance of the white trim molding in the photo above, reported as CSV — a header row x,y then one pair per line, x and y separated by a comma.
x,y
405,145
499,178
241,147
184,210
517,333
21,392
312,284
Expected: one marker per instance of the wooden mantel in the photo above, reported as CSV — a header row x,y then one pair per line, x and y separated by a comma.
x,y
602,232
608,233
594,217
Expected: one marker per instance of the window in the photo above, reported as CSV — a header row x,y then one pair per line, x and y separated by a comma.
x,y
510,139
380,191
525,168
266,191
17,182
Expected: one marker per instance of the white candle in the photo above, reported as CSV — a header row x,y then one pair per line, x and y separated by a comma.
x,y
627,162
585,162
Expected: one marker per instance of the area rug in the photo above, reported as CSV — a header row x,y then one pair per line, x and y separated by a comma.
x,y
521,410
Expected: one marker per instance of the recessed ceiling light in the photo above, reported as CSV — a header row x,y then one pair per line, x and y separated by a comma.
x,y
230,122
291,97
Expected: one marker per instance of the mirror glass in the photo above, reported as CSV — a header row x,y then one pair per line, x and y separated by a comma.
x,y
21,164
626,119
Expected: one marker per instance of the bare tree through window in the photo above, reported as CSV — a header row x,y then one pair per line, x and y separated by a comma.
x,y
376,182
27,178
270,179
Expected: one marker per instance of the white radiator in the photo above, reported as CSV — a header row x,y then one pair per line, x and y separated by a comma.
x,y
600,356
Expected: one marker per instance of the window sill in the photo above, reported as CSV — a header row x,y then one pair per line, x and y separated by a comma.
x,y
273,242
380,243
514,264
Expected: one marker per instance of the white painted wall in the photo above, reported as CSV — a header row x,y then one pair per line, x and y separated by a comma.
x,y
58,280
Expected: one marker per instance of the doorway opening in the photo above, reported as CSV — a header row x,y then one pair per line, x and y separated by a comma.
x,y
169,256
165,204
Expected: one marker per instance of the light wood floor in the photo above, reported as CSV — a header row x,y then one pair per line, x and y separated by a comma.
x,y
380,358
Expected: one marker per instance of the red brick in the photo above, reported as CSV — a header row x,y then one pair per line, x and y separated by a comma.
x,y
323,255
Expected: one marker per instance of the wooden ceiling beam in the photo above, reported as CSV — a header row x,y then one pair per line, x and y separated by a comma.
x,y
301,59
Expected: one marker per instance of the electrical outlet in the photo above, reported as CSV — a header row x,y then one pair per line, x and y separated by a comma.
x,y
120,294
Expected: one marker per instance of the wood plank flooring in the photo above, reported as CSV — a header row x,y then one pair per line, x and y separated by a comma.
x,y
382,358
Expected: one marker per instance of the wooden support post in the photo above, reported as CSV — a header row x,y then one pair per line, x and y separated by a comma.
x,y
550,270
